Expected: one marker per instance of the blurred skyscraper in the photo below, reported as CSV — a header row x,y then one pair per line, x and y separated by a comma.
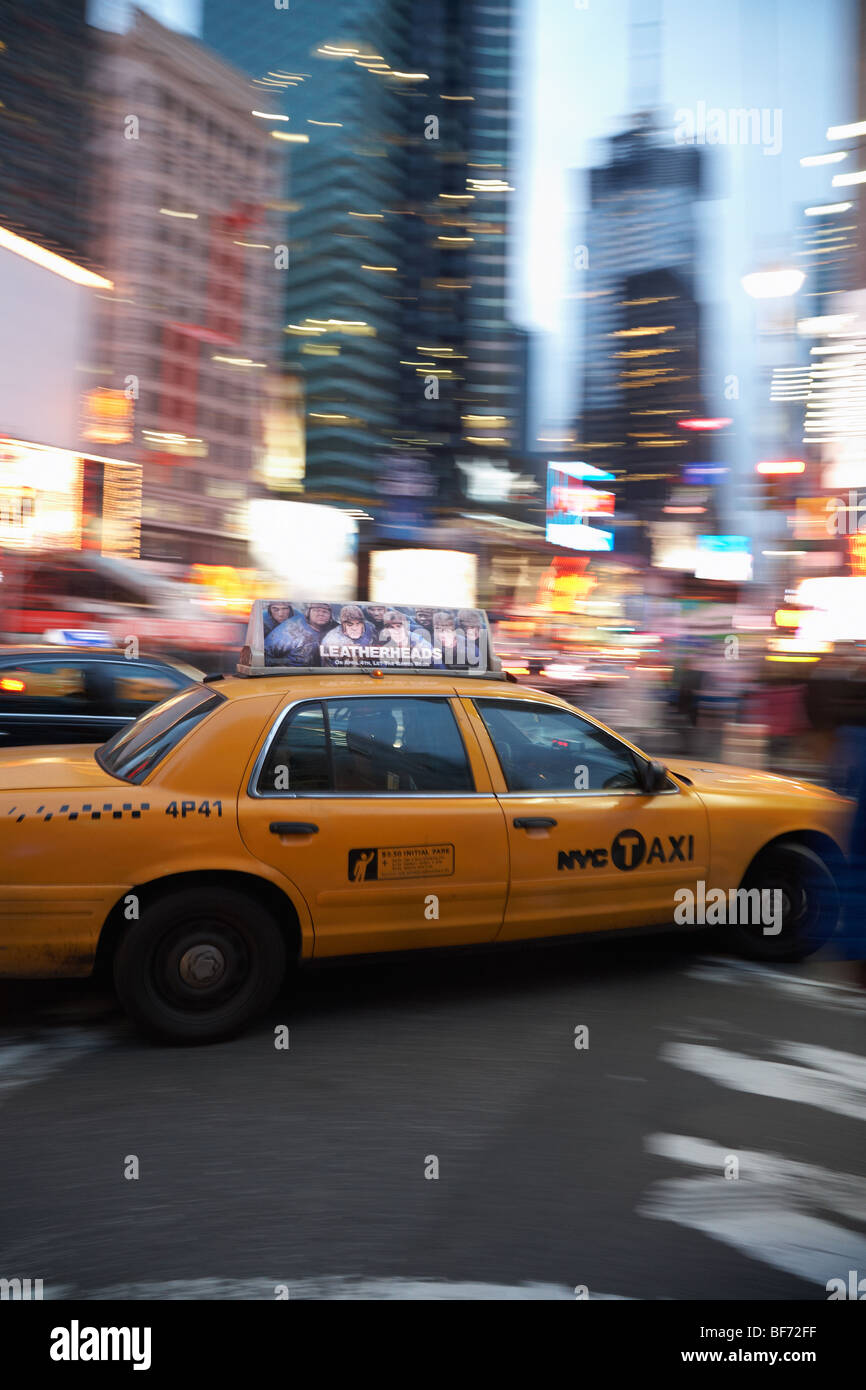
x,y
396,305
43,110
641,367
186,228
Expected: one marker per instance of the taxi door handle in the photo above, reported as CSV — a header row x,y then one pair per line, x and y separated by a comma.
x,y
533,822
293,827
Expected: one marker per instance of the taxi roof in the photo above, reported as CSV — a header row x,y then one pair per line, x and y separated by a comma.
x,y
333,684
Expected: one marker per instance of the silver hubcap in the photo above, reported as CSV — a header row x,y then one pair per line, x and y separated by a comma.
x,y
202,966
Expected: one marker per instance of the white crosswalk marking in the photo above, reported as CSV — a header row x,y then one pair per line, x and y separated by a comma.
x,y
834,1081
767,1212
27,1059
327,1287
789,1214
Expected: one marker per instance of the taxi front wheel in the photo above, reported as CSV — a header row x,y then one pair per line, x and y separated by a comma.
x,y
200,965
799,905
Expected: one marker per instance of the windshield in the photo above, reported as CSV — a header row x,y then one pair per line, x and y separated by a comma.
x,y
137,750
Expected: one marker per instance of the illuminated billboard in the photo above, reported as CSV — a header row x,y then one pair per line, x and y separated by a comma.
x,y
310,547
573,496
724,557
424,576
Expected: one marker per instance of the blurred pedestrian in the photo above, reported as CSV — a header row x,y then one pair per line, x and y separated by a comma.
x,y
851,936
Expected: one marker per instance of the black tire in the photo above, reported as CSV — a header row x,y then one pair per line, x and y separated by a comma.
x,y
199,965
810,904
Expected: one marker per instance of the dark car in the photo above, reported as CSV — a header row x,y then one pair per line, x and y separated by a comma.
x,y
79,695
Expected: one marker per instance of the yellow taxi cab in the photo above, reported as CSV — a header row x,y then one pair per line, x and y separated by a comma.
x,y
371,781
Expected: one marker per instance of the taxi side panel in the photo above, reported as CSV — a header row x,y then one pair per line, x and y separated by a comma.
x,y
453,890
68,857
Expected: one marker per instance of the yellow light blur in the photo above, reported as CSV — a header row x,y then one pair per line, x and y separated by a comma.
x,y
791,657
173,212
290,139
655,299
237,361
642,332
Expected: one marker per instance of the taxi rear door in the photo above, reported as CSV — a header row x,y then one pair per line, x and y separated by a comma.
x,y
379,809
590,849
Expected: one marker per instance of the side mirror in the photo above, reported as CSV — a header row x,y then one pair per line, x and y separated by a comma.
x,y
654,776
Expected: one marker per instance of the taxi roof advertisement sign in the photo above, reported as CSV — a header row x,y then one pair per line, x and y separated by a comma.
x,y
285,635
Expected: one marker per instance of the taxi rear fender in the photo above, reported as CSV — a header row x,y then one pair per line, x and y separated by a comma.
x,y
293,918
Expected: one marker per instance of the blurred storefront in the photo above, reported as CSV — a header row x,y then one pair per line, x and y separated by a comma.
x,y
57,499
58,492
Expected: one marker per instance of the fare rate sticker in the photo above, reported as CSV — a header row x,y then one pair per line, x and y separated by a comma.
x,y
401,861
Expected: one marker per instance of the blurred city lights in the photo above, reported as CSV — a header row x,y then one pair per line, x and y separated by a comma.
x,y
781,466
58,265
718,423
773,284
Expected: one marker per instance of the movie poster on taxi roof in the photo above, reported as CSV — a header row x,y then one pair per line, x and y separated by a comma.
x,y
284,634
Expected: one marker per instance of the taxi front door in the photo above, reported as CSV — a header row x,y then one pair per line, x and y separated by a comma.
x,y
380,811
590,850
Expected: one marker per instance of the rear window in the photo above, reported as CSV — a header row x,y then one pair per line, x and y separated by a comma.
x,y
137,750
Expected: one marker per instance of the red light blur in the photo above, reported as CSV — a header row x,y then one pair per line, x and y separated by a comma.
x,y
782,466
705,424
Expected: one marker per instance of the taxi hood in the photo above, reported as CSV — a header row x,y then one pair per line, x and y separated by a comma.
x,y
746,781
51,765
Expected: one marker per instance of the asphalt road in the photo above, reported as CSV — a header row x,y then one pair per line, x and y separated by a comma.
x,y
608,1166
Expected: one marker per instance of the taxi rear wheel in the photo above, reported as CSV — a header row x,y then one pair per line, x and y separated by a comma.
x,y
199,965
809,900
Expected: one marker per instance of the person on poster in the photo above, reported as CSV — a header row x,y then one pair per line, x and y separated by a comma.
x,y
274,614
470,640
445,636
293,643
320,619
345,645
398,635
423,622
